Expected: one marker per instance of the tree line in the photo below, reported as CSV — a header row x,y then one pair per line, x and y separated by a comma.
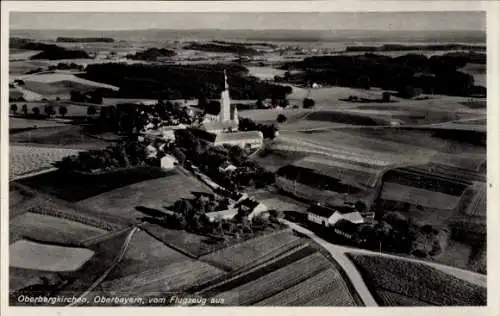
x,y
182,81
437,74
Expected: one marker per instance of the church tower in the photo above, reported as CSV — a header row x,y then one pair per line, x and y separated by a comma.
x,y
225,102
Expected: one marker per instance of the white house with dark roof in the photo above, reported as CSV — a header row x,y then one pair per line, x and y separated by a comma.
x,y
328,217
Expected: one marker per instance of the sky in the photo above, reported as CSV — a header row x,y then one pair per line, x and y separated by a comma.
x,y
405,21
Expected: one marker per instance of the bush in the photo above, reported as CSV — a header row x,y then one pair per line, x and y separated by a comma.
x,y
308,103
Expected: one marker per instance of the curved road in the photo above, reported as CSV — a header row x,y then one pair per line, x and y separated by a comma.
x,y
339,254
345,263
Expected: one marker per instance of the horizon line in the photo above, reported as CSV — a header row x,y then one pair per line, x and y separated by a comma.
x,y
245,29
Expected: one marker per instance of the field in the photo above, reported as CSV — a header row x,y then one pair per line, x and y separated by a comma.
x,y
166,278
51,229
37,256
417,196
28,159
120,194
66,77
143,253
61,136
61,89
326,288
239,255
74,187
19,124
418,283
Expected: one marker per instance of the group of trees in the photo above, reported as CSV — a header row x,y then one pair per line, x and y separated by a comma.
x,y
121,155
48,51
66,66
190,215
436,74
48,110
131,119
170,82
396,232
223,47
152,54
247,173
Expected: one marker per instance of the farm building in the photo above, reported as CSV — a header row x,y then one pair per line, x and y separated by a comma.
x,y
346,229
227,167
168,162
251,207
219,215
328,217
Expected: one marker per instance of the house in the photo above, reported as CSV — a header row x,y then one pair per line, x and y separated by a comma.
x,y
251,207
328,216
219,215
227,167
168,162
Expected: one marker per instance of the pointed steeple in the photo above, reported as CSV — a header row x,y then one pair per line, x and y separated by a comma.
x,y
226,85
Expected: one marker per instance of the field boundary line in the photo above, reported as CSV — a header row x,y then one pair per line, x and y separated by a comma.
x,y
113,265
256,268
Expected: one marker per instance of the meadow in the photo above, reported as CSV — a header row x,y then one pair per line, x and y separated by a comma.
x,y
51,229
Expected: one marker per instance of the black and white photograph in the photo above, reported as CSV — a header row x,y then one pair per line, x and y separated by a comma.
x,y
271,159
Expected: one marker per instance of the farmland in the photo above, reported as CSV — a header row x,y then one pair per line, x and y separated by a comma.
x,y
122,197
57,135
237,256
417,283
30,255
75,187
52,229
27,159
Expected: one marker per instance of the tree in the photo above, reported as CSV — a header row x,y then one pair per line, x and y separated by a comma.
x,y
308,103
13,108
364,82
25,109
259,104
91,110
36,111
48,110
63,111
284,102
386,97
360,206
281,118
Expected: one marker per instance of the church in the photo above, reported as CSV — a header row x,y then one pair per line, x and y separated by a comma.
x,y
227,119
222,128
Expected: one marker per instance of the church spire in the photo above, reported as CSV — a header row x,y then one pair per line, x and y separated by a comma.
x,y
226,85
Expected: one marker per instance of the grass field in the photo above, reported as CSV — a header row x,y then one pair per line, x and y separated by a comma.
x,y
121,192
63,135
51,229
74,187
28,159
68,79
18,123
38,256
417,283
144,253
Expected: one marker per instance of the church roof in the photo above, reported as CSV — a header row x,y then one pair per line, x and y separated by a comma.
x,y
225,137
217,125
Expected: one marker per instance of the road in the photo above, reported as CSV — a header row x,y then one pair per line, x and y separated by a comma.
x,y
346,264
